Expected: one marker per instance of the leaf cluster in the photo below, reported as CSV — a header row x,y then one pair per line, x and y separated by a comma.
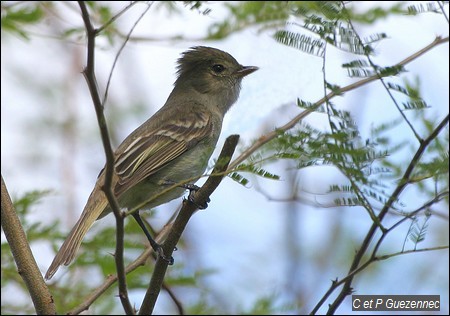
x,y
16,17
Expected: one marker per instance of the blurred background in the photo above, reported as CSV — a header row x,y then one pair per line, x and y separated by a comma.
x,y
269,247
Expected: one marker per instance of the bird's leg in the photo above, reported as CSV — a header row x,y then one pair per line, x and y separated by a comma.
x,y
192,188
156,247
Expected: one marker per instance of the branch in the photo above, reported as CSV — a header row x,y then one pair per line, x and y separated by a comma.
x,y
380,77
89,74
26,264
188,209
385,257
110,280
401,186
140,261
271,135
115,17
374,256
127,38
335,283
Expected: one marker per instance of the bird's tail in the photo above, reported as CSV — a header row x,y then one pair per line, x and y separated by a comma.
x,y
95,206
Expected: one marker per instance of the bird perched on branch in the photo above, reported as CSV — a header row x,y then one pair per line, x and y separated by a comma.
x,y
171,147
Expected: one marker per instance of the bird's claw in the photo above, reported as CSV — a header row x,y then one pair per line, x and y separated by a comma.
x,y
192,188
200,206
161,254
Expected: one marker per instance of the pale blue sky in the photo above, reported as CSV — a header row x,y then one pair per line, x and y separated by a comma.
x,y
241,234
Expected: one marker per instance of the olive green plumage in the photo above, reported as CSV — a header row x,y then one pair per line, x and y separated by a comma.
x,y
174,145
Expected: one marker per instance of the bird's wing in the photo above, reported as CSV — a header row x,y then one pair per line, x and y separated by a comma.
x,y
150,152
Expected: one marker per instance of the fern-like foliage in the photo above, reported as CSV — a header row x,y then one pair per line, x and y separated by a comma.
x,y
327,21
364,163
417,231
360,68
342,147
252,168
415,101
302,42
423,8
239,178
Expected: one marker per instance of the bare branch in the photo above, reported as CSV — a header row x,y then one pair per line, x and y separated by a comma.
x,y
26,264
188,209
116,58
89,73
110,280
401,186
115,17
335,284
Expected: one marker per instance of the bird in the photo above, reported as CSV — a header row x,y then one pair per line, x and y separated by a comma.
x,y
172,146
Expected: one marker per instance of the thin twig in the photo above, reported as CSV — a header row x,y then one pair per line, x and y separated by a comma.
x,y
388,256
89,73
342,166
110,280
394,196
116,58
188,209
375,257
115,17
441,6
335,283
174,298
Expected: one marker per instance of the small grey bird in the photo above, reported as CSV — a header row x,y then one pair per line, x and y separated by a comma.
x,y
173,146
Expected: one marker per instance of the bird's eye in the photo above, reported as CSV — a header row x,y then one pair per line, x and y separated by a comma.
x,y
218,68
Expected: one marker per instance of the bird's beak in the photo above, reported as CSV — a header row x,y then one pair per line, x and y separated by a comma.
x,y
246,70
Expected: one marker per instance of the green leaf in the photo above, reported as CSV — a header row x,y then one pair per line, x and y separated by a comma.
x,y
350,201
197,5
391,71
23,204
417,232
305,104
358,63
415,105
14,19
336,89
310,106
238,178
340,188
349,41
301,42
410,91
374,38
360,73
398,88
258,171
359,68
423,8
